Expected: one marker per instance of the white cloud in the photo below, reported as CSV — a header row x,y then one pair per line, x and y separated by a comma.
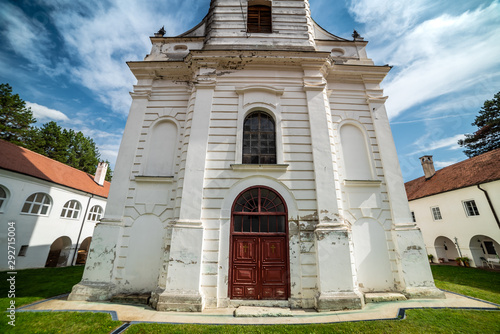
x,y
101,36
437,48
43,113
441,164
427,143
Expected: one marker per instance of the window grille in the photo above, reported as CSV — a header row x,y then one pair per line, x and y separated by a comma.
x,y
259,210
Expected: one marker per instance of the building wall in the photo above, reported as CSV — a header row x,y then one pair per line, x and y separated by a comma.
x,y
336,168
456,224
40,232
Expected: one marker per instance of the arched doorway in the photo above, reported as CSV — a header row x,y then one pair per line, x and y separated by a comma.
x,y
259,263
484,249
59,253
83,251
445,249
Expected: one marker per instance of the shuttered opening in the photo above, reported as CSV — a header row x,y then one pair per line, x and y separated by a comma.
x,y
259,19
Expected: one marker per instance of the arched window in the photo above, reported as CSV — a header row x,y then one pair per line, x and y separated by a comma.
x,y
259,139
259,19
37,204
3,197
71,209
95,213
259,210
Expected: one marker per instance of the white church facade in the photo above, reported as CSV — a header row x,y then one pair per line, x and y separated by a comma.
x,y
257,167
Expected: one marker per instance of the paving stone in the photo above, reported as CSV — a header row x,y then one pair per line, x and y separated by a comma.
x,y
252,311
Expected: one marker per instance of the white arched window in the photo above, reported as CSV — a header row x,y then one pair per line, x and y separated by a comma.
x,y
95,213
71,209
3,197
37,204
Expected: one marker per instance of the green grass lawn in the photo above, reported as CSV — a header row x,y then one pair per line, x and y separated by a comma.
x,y
36,284
472,282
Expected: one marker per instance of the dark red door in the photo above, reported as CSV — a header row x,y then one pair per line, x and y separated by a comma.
x,y
259,246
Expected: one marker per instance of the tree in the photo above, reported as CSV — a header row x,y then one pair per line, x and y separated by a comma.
x,y
63,145
487,137
15,118
66,146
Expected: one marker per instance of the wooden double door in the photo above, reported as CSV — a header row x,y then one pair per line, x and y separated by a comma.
x,y
259,265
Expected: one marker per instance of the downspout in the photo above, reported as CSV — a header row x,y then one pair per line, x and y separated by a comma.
x,y
491,204
81,229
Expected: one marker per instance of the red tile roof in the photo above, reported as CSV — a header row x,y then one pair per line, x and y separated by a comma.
x,y
24,161
479,169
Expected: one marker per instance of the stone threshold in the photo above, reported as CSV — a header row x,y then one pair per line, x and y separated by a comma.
x,y
255,312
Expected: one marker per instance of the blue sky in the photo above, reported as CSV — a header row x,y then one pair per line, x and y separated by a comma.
x,y
67,59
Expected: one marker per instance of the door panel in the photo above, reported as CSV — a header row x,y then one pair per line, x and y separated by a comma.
x,y
259,268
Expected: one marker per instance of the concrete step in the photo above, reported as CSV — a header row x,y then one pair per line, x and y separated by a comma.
x,y
131,298
378,297
255,311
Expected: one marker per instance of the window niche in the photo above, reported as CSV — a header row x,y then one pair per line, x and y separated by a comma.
x,y
357,162
259,135
161,153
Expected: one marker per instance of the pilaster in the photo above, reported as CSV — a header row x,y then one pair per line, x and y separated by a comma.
x,y
182,286
336,286
321,142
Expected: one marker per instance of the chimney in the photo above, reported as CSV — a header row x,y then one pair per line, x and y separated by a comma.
x,y
428,166
100,173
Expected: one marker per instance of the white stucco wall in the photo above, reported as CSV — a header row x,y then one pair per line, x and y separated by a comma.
x,y
206,97
456,224
39,232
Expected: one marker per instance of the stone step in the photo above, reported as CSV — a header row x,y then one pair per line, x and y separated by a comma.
x,y
378,297
131,298
255,311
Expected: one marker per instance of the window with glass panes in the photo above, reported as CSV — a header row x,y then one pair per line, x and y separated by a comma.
x,y
436,213
471,208
71,209
259,210
3,197
259,139
37,204
95,213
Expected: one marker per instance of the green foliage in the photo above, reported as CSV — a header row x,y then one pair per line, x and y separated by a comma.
x,y
66,146
15,118
487,137
51,140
